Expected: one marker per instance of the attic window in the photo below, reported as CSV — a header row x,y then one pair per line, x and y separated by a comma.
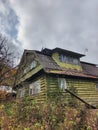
x,y
33,64
75,61
62,58
68,59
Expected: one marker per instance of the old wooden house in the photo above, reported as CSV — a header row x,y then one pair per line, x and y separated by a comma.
x,y
43,74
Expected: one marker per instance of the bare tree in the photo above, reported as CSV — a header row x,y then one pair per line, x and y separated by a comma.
x,y
6,61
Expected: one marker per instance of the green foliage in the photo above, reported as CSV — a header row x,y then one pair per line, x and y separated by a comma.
x,y
8,109
72,101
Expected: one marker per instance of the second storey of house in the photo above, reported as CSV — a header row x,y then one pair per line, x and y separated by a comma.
x,y
65,59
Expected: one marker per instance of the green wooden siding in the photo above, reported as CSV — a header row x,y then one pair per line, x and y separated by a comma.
x,y
52,87
85,89
25,71
42,96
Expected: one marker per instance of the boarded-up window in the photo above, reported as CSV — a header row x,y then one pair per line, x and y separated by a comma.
x,y
62,84
34,88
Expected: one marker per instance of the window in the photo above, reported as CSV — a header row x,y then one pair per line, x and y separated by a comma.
x,y
63,58
75,61
21,92
97,84
68,59
62,84
34,88
31,89
33,64
24,71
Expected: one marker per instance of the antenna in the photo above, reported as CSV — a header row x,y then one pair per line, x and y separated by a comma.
x,y
85,51
42,44
42,48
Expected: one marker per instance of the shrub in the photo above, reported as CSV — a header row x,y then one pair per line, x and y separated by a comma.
x,y
30,115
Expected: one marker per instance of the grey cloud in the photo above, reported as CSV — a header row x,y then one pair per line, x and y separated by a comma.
x,y
8,22
70,24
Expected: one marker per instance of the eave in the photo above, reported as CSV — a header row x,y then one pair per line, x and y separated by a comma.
x,y
70,73
68,52
30,74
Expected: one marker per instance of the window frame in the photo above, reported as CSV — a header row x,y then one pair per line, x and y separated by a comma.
x,y
68,59
62,84
21,92
33,88
33,64
25,71
97,85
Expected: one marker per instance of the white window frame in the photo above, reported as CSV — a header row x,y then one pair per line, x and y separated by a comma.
x,y
33,64
62,83
97,85
34,88
21,92
24,71
31,89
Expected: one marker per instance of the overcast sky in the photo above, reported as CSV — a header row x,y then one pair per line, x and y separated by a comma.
x,y
37,24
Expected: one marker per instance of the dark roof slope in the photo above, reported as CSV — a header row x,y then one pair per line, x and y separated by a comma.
x,y
46,61
46,51
89,69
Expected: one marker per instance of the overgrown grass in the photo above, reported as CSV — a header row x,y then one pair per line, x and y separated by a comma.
x,y
30,115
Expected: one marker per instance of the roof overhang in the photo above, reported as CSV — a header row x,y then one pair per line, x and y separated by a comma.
x,y
70,73
29,74
49,52
67,52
